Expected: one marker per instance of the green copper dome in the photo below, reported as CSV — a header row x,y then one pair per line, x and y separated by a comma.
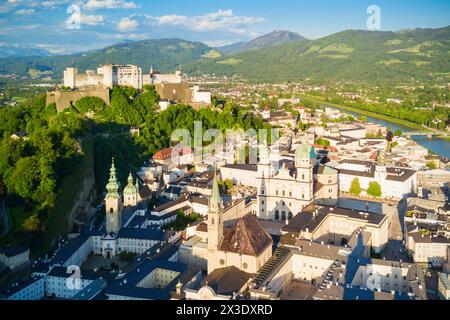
x,y
130,189
113,185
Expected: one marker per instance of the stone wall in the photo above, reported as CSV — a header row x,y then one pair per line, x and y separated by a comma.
x,y
179,92
64,99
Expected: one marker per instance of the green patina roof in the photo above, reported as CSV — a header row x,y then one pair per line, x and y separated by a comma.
x,y
215,202
328,170
113,185
305,152
130,189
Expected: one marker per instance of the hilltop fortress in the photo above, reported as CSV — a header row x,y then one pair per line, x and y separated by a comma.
x,y
170,87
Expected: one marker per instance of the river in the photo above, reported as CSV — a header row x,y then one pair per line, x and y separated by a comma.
x,y
436,145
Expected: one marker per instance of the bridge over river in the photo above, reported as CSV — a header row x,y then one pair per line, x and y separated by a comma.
x,y
428,134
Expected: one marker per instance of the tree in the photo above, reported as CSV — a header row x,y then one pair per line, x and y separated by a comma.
x,y
374,189
362,118
355,188
2,188
24,178
431,165
228,184
32,224
398,133
323,142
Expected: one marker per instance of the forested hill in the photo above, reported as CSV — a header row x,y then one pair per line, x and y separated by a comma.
x,y
165,54
265,41
351,55
419,54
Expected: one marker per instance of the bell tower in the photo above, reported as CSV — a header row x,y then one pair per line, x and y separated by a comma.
x,y
304,163
130,193
215,217
113,202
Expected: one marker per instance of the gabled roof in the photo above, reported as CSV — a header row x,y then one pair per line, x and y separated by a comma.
x,y
225,281
248,238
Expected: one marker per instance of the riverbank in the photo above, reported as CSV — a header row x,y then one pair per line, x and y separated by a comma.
x,y
401,122
437,145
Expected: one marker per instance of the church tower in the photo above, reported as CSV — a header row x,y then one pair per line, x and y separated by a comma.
x,y
113,202
305,157
264,164
215,217
130,193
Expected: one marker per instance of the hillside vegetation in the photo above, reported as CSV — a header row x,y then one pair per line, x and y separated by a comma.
x,y
41,173
166,55
421,54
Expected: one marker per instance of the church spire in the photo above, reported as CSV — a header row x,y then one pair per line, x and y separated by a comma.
x,y
113,185
215,202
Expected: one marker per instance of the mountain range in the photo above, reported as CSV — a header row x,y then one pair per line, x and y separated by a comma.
x,y
266,41
19,51
165,54
419,54
422,54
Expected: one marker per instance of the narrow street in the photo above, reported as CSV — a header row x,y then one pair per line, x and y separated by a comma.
x,y
395,249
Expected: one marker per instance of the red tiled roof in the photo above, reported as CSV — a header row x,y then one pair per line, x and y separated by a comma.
x,y
163,154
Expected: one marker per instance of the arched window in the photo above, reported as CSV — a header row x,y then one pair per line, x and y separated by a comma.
x,y
284,193
290,215
111,210
276,192
303,176
277,215
262,191
283,216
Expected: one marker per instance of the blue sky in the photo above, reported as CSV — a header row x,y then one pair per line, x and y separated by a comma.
x,y
78,25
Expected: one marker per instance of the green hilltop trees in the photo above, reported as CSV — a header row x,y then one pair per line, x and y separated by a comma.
x,y
35,170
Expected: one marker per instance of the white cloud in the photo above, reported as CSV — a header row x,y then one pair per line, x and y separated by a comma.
x,y
47,4
77,19
92,20
220,20
121,36
217,43
25,12
110,4
127,24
